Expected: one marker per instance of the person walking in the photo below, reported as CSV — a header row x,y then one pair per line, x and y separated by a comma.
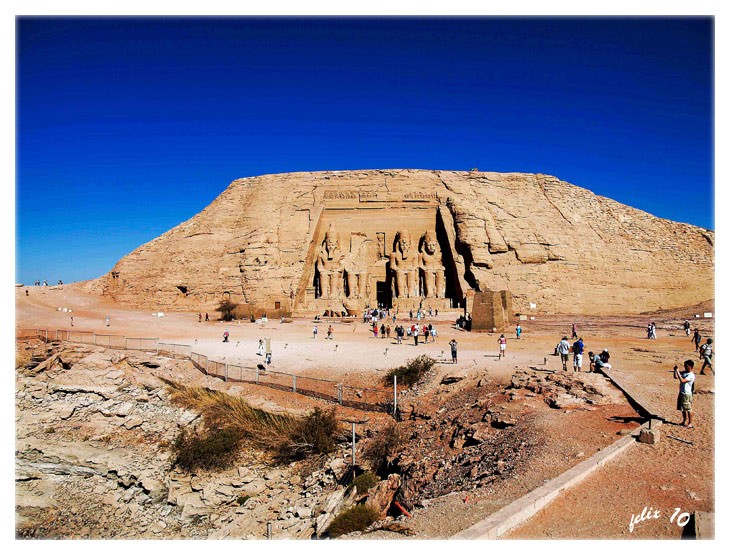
x,y
686,327
107,321
696,339
375,331
387,331
72,321
329,332
502,341
225,336
706,356
415,335
578,355
575,332
399,333
686,386
314,332
200,317
518,331
652,333
453,344
382,331
426,333
260,350
563,351
432,329
206,317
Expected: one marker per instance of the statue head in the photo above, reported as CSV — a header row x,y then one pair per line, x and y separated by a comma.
x,y
403,242
331,241
430,243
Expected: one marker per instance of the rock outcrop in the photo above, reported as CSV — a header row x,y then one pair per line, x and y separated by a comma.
x,y
549,243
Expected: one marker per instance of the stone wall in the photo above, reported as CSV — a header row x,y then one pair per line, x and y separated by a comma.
x,y
546,241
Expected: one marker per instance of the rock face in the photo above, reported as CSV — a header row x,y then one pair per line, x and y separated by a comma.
x,y
309,242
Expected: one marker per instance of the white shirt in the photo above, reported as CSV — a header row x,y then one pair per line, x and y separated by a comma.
x,y
563,347
686,387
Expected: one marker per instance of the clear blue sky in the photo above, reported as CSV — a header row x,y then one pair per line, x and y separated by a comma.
x,y
127,127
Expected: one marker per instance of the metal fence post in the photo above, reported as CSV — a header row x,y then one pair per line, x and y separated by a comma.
x,y
353,444
268,530
395,394
339,393
294,384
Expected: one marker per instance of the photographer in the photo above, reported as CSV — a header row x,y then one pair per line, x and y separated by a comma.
x,y
686,387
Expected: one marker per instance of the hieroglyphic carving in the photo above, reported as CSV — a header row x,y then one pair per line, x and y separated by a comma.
x,y
404,266
340,195
417,195
431,265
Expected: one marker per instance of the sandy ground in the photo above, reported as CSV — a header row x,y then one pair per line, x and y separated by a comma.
x,y
669,475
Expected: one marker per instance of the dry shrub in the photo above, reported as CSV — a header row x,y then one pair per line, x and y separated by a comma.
x,y
286,436
411,372
354,519
381,448
365,481
208,450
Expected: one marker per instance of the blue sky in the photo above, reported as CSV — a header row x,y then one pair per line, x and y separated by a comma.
x,y
127,127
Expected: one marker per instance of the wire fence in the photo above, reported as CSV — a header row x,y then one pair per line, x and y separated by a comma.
x,y
364,398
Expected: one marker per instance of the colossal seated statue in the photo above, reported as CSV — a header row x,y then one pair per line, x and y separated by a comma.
x,y
330,265
431,265
404,266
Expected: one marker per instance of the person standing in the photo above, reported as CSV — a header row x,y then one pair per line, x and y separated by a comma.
x,y
502,341
415,335
375,331
399,333
225,336
575,332
686,385
206,317
686,327
696,339
706,356
329,332
72,321
563,351
200,317
652,331
260,351
107,321
453,344
314,332
432,331
518,331
578,355
387,331
382,331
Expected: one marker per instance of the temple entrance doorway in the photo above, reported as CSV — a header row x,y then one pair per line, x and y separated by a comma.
x,y
384,295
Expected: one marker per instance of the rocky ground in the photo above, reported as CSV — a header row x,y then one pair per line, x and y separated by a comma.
x,y
94,428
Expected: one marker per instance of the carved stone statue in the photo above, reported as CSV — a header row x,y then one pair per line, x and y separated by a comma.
x,y
432,269
404,266
330,265
363,254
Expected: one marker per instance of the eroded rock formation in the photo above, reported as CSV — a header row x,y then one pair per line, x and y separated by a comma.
x,y
265,243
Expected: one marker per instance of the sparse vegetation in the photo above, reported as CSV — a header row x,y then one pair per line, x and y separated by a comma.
x,y
411,372
380,449
285,436
241,499
206,450
365,481
354,519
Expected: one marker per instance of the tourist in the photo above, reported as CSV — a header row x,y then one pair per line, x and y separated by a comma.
x,y
26,293
706,355
45,283
410,312
453,345
502,346
426,333
387,331
72,321
686,327
563,351
314,332
578,355
575,332
200,317
225,336
696,339
107,321
686,386
648,330
518,331
605,357
375,331
394,319
437,312
329,332
206,317
433,333
414,332
260,350
399,333
652,331
382,331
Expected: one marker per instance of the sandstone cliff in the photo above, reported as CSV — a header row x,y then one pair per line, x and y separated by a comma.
x,y
547,241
